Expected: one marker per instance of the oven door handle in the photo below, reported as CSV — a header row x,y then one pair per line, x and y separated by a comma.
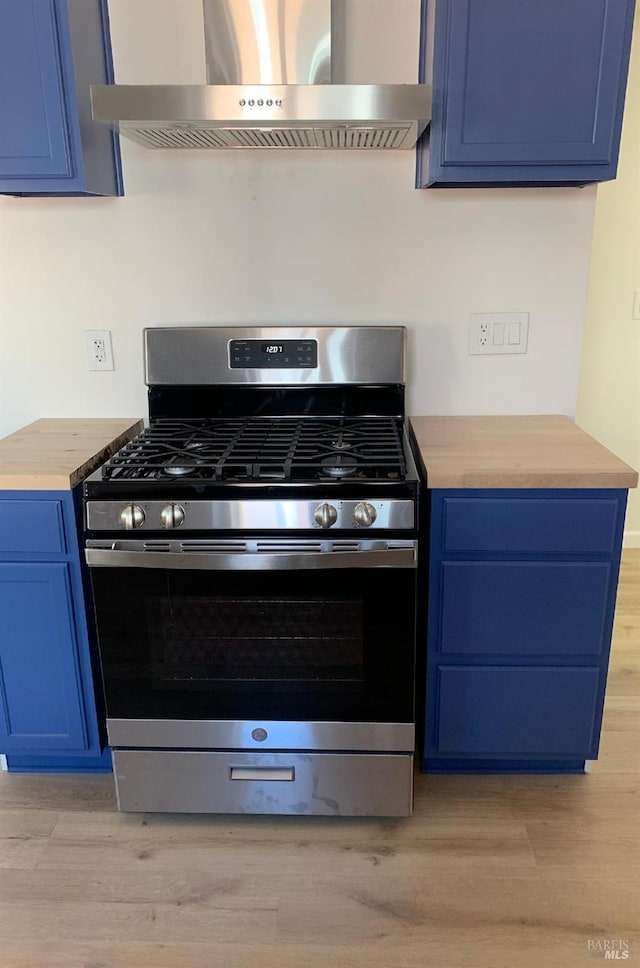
x,y
250,561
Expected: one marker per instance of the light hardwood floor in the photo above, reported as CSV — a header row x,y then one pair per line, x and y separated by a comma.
x,y
491,872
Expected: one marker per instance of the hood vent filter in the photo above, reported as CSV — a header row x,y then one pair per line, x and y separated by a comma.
x,y
329,137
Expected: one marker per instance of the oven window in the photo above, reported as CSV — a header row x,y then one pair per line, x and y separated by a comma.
x,y
237,645
199,641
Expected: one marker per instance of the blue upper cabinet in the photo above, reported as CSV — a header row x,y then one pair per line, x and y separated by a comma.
x,y
526,93
50,53
35,139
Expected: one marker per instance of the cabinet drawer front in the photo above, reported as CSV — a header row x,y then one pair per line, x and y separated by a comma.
x,y
31,526
534,525
524,608
506,711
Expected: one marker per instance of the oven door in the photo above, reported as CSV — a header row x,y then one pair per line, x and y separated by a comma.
x,y
257,644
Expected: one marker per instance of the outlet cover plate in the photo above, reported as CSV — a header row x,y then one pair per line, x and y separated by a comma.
x,y
99,350
498,334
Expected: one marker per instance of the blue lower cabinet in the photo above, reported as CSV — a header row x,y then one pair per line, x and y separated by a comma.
x,y
522,588
40,695
48,713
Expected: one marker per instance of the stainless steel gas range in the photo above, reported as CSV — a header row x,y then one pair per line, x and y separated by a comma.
x,y
253,561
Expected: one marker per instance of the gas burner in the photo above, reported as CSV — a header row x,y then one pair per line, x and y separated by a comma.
x,y
339,466
340,443
184,468
179,470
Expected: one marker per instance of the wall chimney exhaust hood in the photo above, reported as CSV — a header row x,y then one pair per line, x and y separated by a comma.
x,y
269,85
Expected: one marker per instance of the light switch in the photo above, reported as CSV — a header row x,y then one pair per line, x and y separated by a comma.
x,y
498,333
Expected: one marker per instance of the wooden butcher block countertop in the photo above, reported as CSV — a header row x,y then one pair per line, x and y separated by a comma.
x,y
529,451
57,453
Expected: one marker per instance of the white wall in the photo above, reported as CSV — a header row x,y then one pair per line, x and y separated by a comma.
x,y
252,237
609,397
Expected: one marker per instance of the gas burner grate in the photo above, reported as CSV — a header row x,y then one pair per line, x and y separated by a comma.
x,y
263,450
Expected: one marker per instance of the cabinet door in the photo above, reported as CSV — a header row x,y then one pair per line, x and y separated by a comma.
x,y
528,92
33,122
41,704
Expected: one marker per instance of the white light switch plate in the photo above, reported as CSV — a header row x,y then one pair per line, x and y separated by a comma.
x,y
498,333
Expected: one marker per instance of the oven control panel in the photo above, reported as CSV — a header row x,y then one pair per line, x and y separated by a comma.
x,y
256,515
283,354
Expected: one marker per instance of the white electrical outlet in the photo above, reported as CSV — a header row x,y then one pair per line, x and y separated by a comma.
x,y
99,351
498,333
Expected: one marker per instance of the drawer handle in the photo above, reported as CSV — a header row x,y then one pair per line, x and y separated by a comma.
x,y
281,773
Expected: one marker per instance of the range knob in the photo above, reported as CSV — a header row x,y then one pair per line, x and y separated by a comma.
x,y
132,517
172,516
364,514
325,515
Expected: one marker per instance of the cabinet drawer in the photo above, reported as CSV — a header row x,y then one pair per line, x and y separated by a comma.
x,y
534,525
524,608
493,711
31,526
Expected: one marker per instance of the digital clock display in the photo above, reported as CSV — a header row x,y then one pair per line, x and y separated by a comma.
x,y
288,354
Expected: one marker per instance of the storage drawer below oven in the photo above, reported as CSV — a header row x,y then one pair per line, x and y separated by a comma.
x,y
326,784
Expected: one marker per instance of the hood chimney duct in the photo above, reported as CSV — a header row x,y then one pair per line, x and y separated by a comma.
x,y
268,41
